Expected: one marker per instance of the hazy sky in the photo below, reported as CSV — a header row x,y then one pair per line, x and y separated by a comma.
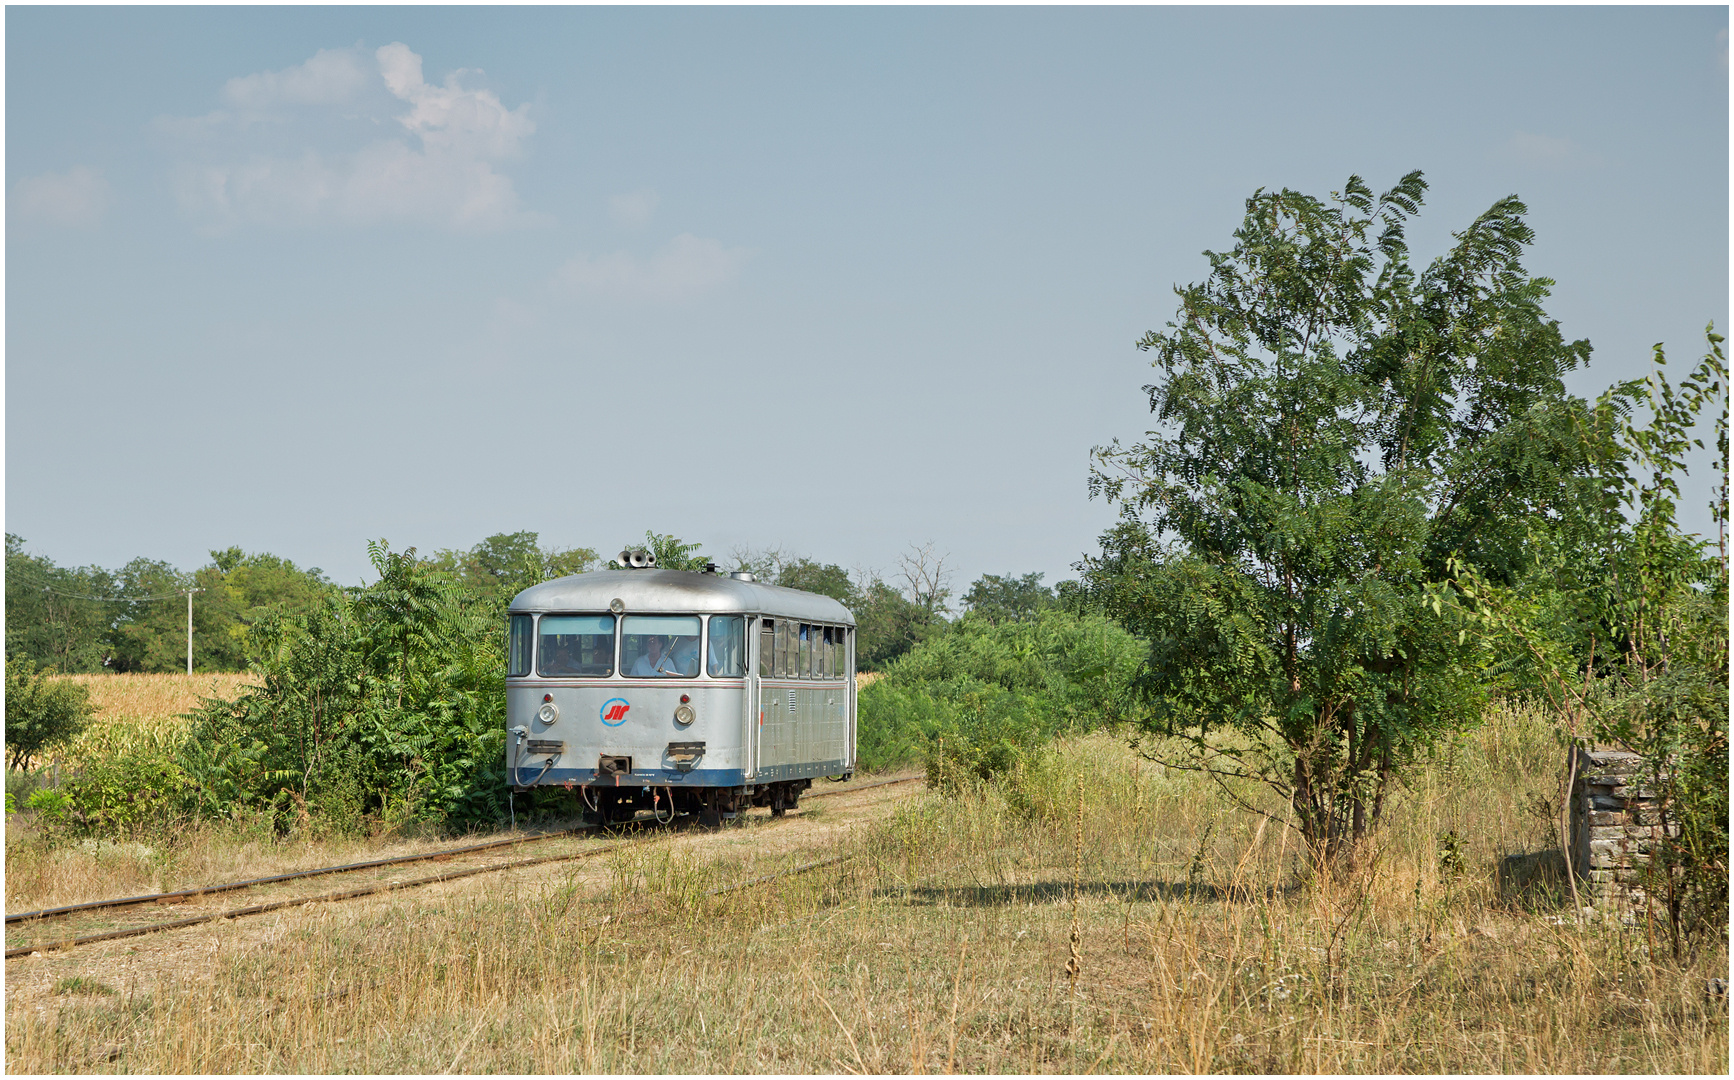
x,y
834,280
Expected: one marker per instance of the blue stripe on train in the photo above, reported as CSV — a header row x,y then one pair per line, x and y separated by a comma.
x,y
675,778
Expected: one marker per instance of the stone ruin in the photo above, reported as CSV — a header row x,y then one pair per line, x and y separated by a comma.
x,y
1616,818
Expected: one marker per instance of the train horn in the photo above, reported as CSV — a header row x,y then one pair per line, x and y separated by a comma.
x,y
636,558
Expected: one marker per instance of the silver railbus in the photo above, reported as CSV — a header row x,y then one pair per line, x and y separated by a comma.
x,y
672,692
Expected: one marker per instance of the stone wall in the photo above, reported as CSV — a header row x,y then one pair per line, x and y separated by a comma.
x,y
1615,819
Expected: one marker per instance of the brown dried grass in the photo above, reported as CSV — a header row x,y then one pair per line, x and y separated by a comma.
x,y
154,698
943,944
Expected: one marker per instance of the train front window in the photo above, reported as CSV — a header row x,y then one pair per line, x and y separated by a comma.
x,y
659,646
576,645
728,647
518,645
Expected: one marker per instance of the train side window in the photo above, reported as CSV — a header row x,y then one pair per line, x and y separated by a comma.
x,y
804,664
830,652
767,648
519,642
782,665
728,647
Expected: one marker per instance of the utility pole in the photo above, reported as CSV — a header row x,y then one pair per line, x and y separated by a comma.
x,y
190,593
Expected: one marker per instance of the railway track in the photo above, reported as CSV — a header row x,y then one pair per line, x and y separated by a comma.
x,y
96,907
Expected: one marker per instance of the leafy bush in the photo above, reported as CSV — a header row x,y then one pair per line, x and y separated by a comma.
x,y
995,691
387,705
121,794
41,712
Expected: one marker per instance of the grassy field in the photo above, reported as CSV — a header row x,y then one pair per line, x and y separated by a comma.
x,y
942,944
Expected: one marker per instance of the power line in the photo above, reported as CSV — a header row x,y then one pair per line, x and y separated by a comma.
x,y
113,599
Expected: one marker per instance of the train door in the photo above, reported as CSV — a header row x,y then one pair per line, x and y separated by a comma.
x,y
764,653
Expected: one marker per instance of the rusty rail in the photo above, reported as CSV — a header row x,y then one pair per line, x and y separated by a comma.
x,y
369,890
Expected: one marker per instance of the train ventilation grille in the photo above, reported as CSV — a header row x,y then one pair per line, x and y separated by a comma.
x,y
791,701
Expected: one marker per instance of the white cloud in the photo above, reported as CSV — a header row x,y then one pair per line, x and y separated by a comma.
x,y
633,208
440,171
687,267
1547,151
331,77
77,197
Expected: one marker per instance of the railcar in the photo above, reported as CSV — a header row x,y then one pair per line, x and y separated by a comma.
x,y
645,689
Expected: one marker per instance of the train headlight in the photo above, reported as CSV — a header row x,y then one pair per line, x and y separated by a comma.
x,y
684,715
548,713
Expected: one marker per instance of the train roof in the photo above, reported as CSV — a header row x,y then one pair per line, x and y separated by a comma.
x,y
677,590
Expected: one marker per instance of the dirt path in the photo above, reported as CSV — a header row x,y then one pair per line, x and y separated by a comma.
x,y
142,964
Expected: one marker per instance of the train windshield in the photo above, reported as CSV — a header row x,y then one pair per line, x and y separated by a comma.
x,y
728,647
577,645
659,646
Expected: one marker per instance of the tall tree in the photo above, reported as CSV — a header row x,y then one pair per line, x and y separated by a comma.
x,y
1333,427
505,564
1008,598
58,617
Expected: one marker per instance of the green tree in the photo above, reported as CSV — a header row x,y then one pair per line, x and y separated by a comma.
x,y
41,712
56,616
672,553
1624,629
505,564
1009,598
888,624
386,702
994,691
826,579
1334,425
151,633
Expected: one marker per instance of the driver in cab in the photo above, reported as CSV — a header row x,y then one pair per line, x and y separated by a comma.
x,y
653,663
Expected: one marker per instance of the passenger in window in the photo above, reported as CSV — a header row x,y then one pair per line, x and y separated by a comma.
x,y
653,663
683,654
559,659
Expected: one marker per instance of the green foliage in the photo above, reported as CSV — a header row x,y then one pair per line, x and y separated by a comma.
x,y
672,553
1634,653
135,618
50,618
995,691
505,564
827,580
124,793
385,705
1008,598
887,625
1333,427
150,633
888,621
41,712
51,803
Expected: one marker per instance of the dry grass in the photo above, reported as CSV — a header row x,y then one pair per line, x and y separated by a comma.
x,y
942,945
137,699
140,713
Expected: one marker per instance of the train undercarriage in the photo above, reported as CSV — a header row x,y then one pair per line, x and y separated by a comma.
x,y
610,804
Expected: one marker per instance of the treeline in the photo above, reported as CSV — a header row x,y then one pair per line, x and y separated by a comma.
x,y
134,619
384,704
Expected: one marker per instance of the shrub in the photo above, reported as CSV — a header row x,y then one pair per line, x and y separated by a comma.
x,y
994,692
128,792
41,712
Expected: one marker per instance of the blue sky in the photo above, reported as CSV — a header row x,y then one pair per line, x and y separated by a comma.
x,y
833,280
